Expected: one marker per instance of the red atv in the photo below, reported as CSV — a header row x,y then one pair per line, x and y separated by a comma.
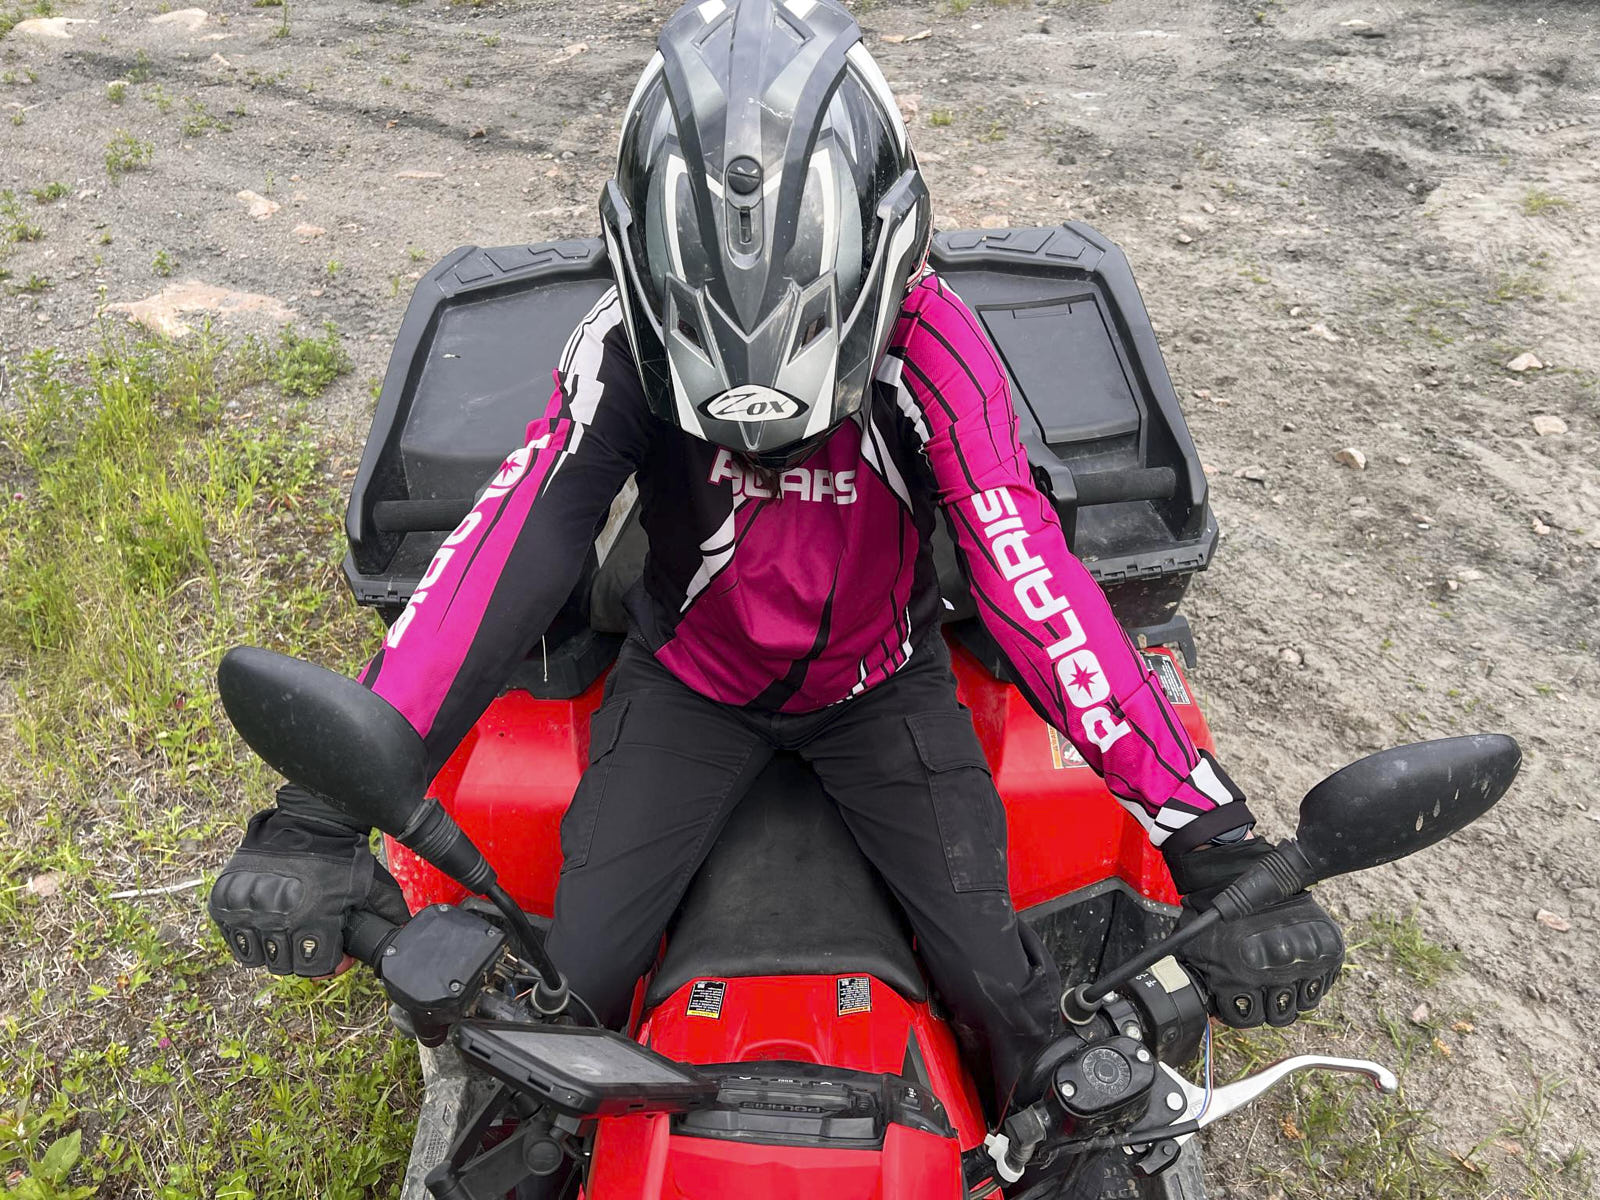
x,y
786,1043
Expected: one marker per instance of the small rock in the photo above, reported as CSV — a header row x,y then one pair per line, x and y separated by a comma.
x,y
1546,425
1289,656
1540,529
1351,457
49,27
189,18
571,51
164,312
1469,575
1402,460
895,39
419,174
1184,239
1525,362
309,231
978,169
993,221
1296,311
258,205
1323,332
478,131
1552,920
45,885
1421,1013
1209,207
1355,24
910,104
1202,393
216,60
1253,474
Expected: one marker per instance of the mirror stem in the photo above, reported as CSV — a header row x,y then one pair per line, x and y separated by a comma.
x,y
1086,998
1276,876
550,997
434,836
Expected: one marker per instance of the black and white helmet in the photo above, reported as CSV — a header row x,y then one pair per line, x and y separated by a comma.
x,y
765,220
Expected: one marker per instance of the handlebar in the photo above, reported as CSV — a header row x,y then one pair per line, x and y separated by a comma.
x,y
367,937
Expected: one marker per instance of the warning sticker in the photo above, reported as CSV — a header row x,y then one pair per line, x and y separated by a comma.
x,y
1166,671
705,1000
1063,754
855,994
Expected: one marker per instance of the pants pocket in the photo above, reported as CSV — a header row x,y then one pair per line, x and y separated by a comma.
x,y
578,825
972,821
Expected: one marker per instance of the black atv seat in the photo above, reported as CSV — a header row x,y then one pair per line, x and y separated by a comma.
x,y
786,891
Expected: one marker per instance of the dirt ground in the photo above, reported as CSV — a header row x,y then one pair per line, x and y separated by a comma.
x,y
1346,220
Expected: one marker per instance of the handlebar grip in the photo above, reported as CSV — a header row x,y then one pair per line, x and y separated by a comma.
x,y
1117,487
420,516
367,936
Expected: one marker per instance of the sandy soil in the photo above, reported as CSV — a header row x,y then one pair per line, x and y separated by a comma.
x,y
1346,219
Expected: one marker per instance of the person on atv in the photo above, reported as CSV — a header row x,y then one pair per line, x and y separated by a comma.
x,y
798,398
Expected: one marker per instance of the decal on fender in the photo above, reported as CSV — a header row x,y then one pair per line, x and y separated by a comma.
x,y
705,999
1063,754
855,994
1166,673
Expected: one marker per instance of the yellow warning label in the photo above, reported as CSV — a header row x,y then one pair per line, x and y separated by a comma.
x,y
705,999
1063,754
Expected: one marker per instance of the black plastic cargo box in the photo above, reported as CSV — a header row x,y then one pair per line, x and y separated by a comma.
x,y
1100,421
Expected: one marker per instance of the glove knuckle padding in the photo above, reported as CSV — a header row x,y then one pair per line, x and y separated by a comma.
x,y
1268,966
282,899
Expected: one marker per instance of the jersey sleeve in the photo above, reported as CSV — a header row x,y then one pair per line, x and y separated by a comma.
x,y
1049,617
502,575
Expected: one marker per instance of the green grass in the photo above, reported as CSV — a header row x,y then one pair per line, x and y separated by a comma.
x,y
1329,1137
1536,202
14,223
305,366
163,264
50,192
1402,942
125,153
162,502
116,91
201,120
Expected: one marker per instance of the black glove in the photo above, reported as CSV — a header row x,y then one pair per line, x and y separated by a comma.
x,y
1269,966
282,900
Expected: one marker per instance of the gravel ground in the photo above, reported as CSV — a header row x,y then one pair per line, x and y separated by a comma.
x,y
1347,219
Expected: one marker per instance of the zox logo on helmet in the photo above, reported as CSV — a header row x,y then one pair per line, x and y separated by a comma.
x,y
753,402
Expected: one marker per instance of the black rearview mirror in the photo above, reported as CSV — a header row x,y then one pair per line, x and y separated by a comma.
x,y
1399,801
1384,807
328,733
338,738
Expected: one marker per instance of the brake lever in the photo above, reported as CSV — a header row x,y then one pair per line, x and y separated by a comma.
x,y
1231,1097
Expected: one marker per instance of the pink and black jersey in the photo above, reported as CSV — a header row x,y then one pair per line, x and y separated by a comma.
x,y
796,590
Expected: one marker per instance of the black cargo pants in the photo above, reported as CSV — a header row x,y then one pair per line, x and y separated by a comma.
x,y
903,763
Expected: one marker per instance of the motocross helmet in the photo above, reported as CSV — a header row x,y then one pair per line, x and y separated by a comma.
x,y
766,218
